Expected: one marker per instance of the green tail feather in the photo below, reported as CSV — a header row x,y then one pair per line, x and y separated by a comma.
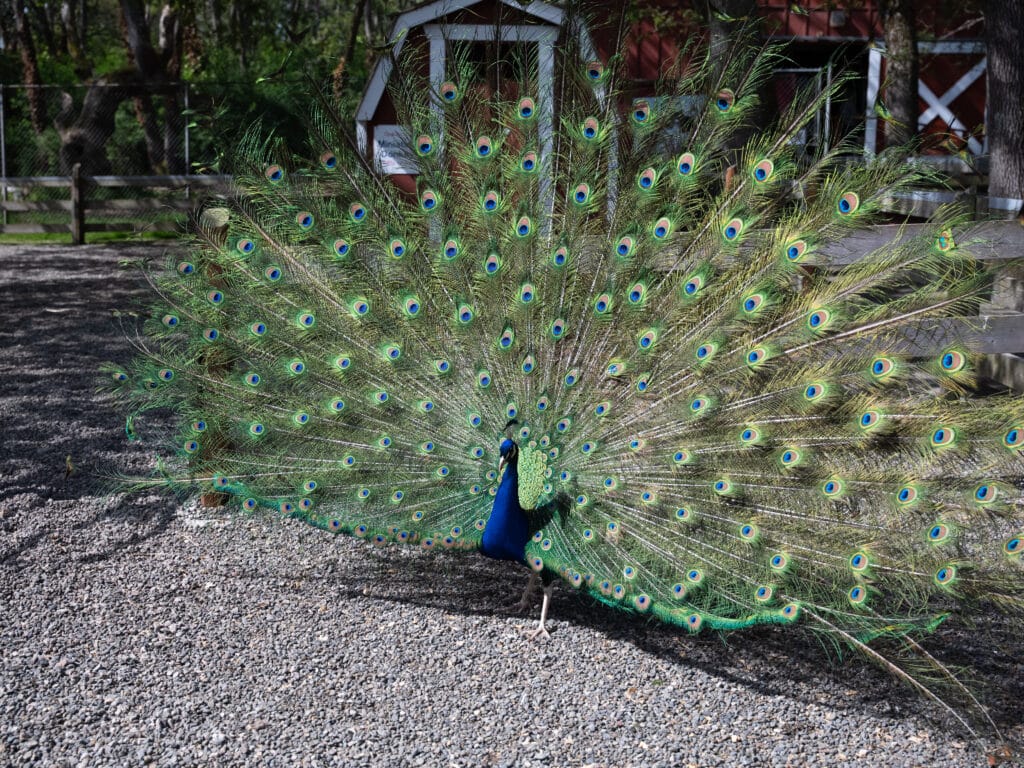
x,y
746,435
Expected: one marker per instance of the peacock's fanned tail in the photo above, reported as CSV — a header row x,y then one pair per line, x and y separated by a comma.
x,y
745,435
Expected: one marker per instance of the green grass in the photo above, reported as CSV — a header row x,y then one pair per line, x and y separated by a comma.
x,y
64,238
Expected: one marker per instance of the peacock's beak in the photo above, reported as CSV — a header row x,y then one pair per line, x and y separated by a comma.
x,y
501,464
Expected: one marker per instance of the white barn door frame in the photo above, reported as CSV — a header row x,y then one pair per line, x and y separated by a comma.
x,y
544,37
938,106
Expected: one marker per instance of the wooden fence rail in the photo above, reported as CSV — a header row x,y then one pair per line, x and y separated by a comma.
x,y
123,211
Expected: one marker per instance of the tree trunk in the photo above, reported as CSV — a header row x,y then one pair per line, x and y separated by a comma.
x,y
901,70
84,133
1004,41
726,18
213,12
137,37
44,26
29,68
74,29
353,32
172,54
145,116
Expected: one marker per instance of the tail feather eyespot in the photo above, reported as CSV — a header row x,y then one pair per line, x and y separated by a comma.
x,y
833,487
756,357
869,419
819,320
859,562
763,171
946,575
429,200
882,367
790,457
449,92
732,229
492,264
848,203
637,293
484,147
907,495
943,436
424,145
641,112
706,351
985,493
625,246
952,361
795,250
646,179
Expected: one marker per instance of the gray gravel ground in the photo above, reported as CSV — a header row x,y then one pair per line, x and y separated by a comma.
x,y
140,631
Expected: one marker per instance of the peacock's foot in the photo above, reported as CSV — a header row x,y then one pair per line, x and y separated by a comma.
x,y
540,631
522,606
526,601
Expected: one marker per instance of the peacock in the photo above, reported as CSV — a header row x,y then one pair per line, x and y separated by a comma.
x,y
600,335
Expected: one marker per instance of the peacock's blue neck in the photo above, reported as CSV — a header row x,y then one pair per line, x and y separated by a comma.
x,y
508,528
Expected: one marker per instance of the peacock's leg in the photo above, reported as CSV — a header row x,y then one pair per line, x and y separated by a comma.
x,y
527,599
542,630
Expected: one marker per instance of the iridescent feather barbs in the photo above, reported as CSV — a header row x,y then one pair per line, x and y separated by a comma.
x,y
703,428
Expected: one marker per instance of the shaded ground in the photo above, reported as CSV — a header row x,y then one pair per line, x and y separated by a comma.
x,y
145,632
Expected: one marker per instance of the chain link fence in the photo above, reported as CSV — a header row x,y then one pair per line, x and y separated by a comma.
x,y
118,132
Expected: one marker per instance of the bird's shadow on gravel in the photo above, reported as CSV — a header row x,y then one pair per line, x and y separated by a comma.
x,y
768,660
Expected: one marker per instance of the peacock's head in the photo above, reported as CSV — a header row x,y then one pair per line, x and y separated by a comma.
x,y
509,453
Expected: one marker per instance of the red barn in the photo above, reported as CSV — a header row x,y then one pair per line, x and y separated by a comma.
x,y
823,40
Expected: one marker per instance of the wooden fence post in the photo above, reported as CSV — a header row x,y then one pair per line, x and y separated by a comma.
x,y
77,206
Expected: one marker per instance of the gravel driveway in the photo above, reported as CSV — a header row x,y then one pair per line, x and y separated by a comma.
x,y
141,631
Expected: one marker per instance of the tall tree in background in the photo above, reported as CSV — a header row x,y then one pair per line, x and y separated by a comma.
x,y
1004,42
901,70
29,67
726,18
86,129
